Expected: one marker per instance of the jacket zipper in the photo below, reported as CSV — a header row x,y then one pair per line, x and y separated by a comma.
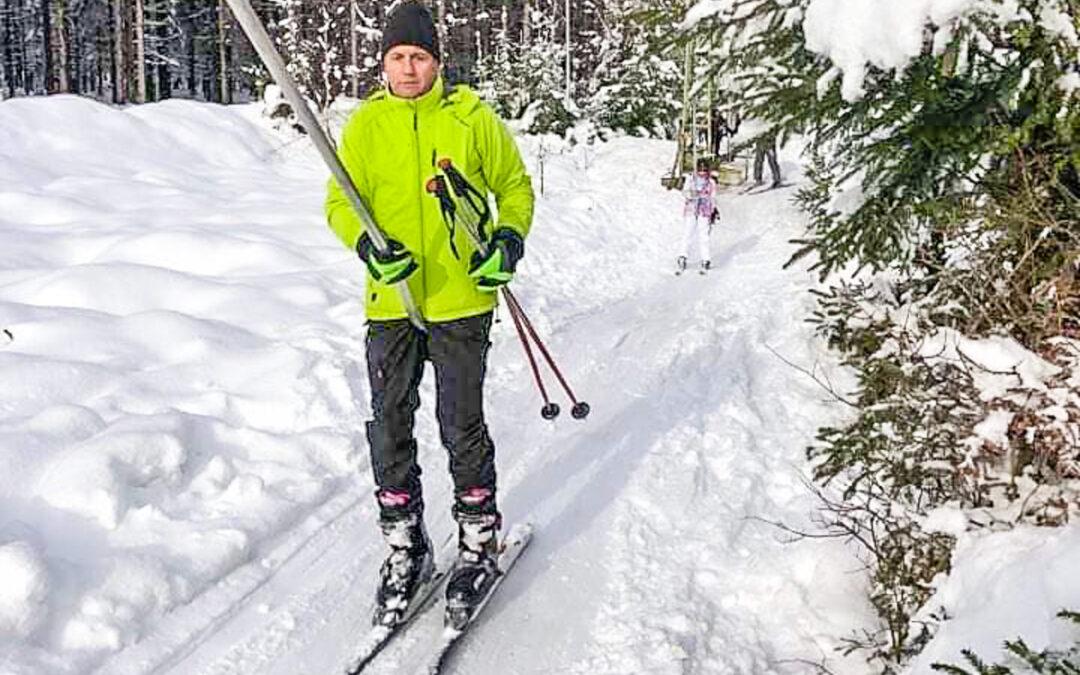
x,y
420,203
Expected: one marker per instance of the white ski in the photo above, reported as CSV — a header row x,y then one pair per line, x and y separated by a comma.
x,y
378,637
513,545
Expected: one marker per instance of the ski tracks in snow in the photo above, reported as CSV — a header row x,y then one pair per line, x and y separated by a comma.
x,y
697,581
652,554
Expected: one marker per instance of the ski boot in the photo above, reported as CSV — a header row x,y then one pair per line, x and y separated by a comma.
x,y
705,267
476,569
680,265
408,567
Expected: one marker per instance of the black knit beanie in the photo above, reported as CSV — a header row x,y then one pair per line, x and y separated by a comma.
x,y
411,24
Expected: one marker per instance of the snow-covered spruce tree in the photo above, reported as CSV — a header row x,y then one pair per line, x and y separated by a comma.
x,y
523,76
904,142
623,78
314,39
636,86
944,206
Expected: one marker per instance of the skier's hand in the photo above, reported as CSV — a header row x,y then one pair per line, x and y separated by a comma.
x,y
497,267
390,266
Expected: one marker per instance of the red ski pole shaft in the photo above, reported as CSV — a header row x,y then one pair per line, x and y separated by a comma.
x,y
516,311
472,224
550,410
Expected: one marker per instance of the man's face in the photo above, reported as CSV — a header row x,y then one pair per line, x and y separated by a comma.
x,y
410,71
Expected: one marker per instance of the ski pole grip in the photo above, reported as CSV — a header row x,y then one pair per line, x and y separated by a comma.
x,y
461,186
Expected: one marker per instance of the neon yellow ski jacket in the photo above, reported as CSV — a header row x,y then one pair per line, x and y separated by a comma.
x,y
390,147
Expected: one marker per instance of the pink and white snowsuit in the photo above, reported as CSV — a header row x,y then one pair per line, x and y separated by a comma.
x,y
698,190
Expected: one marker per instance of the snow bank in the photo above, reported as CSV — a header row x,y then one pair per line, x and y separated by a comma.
x,y
1011,584
1004,586
69,130
999,364
171,402
23,592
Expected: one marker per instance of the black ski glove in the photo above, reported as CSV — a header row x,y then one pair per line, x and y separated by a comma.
x,y
391,266
505,249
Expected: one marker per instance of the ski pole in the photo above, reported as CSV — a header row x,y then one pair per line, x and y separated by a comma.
x,y
256,32
437,187
465,191
550,410
581,409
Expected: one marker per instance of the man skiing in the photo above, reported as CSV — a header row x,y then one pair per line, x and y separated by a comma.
x,y
699,213
391,147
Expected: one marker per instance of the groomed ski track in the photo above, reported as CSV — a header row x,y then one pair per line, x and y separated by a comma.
x,y
651,554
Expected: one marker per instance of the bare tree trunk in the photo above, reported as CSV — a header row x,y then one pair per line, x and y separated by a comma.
x,y
163,80
119,27
26,74
104,57
76,54
192,80
46,40
151,19
354,42
569,51
140,52
223,65
526,24
10,76
442,25
63,67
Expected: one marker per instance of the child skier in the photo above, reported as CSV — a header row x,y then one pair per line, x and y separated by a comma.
x,y
698,214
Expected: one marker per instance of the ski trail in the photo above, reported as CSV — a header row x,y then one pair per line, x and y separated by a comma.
x,y
651,553
274,595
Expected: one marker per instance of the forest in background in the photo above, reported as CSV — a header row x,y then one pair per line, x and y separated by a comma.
x,y
568,60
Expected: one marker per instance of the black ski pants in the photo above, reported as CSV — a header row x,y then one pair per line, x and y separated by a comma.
x,y
396,353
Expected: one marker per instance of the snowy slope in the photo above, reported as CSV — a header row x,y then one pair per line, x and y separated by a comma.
x,y
183,478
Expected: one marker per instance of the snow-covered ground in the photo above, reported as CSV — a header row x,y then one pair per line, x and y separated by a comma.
x,y
184,482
